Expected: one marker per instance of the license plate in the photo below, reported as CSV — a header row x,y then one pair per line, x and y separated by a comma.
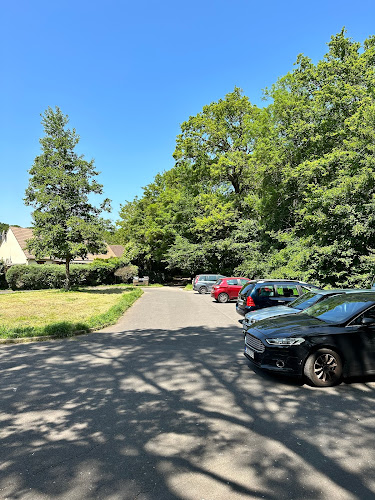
x,y
249,351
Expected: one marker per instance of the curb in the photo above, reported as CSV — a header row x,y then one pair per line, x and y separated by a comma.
x,y
41,338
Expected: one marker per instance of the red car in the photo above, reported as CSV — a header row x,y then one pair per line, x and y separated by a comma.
x,y
226,289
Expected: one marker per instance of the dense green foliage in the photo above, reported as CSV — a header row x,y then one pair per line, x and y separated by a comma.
x,y
66,225
3,227
3,283
39,277
287,190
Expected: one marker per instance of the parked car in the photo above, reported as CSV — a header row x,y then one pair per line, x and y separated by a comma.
x,y
331,339
297,305
202,283
258,294
226,289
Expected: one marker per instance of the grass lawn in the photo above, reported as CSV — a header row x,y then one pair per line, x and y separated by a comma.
x,y
56,312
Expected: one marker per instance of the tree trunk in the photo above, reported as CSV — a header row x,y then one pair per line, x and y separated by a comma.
x,y
67,274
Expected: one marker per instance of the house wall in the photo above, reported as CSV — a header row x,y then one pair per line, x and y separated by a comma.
x,y
10,251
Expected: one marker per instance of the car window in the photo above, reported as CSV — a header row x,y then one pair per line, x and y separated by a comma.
x,y
247,288
212,277
370,313
339,308
287,290
202,278
232,282
243,282
265,291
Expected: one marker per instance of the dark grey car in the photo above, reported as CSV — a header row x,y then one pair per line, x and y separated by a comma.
x,y
202,283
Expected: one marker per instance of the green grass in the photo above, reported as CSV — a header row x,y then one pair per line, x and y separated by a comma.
x,y
60,313
189,286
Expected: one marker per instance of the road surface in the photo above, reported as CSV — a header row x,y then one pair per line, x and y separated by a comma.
x,y
164,405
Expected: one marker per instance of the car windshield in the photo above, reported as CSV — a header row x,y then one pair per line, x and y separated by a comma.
x,y
306,300
340,308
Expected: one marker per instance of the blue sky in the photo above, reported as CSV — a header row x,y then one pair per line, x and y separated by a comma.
x,y
129,73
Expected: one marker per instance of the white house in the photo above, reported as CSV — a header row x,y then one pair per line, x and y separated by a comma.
x,y
13,249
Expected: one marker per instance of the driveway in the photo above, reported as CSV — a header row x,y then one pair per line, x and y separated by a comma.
x,y
164,405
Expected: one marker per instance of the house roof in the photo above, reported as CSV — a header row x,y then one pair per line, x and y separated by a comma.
x,y
23,234
118,250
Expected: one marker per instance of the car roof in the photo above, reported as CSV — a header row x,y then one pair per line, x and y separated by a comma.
x,y
235,278
343,290
276,280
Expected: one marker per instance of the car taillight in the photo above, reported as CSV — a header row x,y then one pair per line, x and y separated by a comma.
x,y
250,302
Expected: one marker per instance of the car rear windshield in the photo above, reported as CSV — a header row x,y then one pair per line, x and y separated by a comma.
x,y
340,308
219,282
248,288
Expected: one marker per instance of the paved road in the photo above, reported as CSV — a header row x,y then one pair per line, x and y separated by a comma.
x,y
164,406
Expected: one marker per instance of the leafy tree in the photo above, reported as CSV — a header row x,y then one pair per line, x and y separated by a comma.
x,y
323,174
3,227
66,224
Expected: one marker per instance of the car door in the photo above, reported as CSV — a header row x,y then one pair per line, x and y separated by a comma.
x,y
264,295
362,341
233,288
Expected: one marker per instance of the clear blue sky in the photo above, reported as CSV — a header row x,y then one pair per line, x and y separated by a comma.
x,y
129,73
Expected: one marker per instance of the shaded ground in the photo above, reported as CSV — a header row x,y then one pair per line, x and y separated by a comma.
x,y
164,406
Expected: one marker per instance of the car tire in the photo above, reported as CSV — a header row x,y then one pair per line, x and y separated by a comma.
x,y
223,298
323,368
203,289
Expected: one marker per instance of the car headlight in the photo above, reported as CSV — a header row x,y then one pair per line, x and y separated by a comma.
x,y
285,341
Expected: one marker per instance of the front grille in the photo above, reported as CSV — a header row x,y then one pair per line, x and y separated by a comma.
x,y
254,343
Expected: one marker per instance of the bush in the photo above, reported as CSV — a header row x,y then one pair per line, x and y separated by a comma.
x,y
38,277
43,276
126,273
3,282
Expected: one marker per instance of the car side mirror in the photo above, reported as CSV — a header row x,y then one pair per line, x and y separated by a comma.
x,y
367,321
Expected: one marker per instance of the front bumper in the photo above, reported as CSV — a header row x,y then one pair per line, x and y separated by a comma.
x,y
287,360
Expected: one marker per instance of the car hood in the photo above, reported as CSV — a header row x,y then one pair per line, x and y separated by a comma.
x,y
270,312
285,326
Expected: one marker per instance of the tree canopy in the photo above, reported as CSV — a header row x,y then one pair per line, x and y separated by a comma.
x,y
287,190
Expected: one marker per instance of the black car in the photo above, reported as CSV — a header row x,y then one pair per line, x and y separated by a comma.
x,y
267,293
331,339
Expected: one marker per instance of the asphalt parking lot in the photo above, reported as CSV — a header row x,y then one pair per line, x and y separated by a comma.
x,y
164,405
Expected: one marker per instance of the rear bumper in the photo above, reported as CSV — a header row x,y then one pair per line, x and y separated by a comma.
x,y
242,309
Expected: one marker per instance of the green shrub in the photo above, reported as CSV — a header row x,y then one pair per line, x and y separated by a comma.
x,y
3,282
126,273
43,276
35,277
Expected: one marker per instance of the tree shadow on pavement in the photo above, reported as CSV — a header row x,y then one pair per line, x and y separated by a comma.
x,y
156,414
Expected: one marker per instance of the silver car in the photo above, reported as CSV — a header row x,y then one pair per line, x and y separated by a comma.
x,y
300,304
202,283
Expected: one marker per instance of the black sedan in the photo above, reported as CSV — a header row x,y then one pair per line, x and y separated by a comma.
x,y
331,339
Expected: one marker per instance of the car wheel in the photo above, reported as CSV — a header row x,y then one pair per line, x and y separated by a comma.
x,y
223,298
203,289
323,368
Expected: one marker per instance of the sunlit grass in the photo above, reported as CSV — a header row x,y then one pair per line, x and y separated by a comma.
x,y
56,312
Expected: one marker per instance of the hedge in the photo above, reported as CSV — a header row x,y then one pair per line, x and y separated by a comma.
x,y
42,276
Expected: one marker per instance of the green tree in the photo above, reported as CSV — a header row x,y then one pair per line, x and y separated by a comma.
x,y
65,223
322,173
